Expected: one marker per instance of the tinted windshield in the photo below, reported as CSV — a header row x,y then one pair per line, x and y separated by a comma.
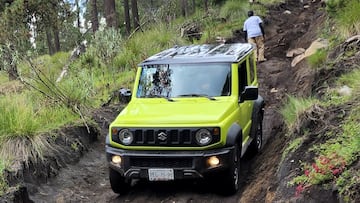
x,y
178,80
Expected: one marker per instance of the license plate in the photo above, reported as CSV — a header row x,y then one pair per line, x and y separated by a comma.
x,y
161,174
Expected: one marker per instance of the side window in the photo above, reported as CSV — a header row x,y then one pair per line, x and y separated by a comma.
x,y
252,68
242,76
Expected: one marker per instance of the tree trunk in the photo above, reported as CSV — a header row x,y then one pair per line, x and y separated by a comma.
x,y
13,73
56,39
184,8
110,14
9,57
78,13
94,16
193,6
49,43
135,14
127,16
206,6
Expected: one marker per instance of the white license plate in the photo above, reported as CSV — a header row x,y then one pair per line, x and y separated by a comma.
x,y
161,174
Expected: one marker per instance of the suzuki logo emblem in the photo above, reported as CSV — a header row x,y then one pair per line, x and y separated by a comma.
x,y
162,136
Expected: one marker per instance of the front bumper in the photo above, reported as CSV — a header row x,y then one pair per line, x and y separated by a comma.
x,y
185,164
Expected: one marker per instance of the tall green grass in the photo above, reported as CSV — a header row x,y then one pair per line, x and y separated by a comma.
x,y
294,108
24,119
24,115
51,66
348,19
352,81
235,10
144,44
317,59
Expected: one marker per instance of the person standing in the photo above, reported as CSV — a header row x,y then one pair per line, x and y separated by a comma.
x,y
254,34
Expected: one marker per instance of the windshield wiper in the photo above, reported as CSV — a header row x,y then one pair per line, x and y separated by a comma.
x,y
160,96
197,95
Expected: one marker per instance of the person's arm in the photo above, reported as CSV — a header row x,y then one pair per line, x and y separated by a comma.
x,y
262,29
245,31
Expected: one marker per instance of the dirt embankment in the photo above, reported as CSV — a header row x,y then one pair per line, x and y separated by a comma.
x,y
288,25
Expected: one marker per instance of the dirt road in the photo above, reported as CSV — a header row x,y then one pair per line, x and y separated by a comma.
x,y
87,181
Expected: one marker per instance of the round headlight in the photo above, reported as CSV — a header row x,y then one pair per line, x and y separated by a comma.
x,y
203,137
125,136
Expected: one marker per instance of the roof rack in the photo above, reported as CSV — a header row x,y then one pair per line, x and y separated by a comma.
x,y
201,54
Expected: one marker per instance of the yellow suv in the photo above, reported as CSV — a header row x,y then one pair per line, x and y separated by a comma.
x,y
194,112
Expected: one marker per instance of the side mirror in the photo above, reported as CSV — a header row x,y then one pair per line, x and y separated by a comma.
x,y
124,95
249,93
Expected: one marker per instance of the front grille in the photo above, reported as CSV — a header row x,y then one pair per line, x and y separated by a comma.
x,y
168,137
161,162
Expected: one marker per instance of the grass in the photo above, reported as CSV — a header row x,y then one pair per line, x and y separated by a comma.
x,y
234,10
347,19
51,66
25,116
293,146
347,81
317,59
347,183
294,108
335,157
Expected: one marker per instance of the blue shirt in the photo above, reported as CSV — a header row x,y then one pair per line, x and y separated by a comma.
x,y
252,27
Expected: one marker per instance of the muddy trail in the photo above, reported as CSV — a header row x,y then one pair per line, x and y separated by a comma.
x,y
288,25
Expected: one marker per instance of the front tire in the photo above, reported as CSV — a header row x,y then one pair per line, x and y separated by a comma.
x,y
257,143
119,184
230,178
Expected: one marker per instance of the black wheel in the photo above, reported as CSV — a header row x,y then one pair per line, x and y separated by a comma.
x,y
257,142
230,179
118,183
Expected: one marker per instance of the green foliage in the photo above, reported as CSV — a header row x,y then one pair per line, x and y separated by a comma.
x,y
50,66
294,108
293,146
346,183
24,115
17,117
106,45
3,77
335,155
74,91
350,80
143,44
234,10
78,88
318,59
348,19
333,5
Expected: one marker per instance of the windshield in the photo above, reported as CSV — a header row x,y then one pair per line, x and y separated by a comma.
x,y
181,80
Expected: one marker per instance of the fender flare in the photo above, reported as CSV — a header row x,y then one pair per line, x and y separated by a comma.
x,y
234,135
